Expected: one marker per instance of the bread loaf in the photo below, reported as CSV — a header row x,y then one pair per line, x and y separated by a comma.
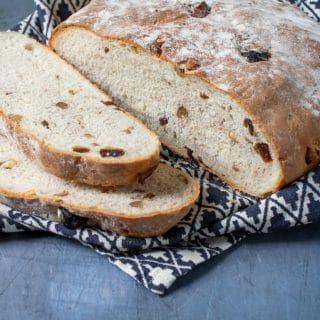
x,y
140,210
231,84
66,124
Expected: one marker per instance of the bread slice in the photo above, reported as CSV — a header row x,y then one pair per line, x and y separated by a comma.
x,y
232,84
139,210
64,123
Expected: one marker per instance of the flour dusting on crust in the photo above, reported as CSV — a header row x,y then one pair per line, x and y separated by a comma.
x,y
262,54
220,41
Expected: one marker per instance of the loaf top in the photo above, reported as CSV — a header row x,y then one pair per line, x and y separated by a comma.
x,y
263,54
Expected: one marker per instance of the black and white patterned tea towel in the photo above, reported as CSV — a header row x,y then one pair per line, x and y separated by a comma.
x,y
220,219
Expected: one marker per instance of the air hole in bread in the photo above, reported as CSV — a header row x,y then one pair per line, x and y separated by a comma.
x,y
62,105
136,204
80,149
204,96
182,112
28,46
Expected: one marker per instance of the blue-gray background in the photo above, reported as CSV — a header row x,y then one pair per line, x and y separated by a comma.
x,y
45,277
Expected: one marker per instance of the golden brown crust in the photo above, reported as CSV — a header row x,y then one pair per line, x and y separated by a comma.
x,y
280,93
135,225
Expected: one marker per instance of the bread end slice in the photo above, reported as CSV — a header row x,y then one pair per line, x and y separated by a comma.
x,y
139,210
148,226
66,124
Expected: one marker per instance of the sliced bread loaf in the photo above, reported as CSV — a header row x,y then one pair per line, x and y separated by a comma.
x,y
140,210
232,84
62,121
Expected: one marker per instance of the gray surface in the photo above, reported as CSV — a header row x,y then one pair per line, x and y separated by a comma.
x,y
11,11
267,277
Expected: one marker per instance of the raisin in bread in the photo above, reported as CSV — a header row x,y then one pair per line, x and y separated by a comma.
x,y
143,210
232,84
66,124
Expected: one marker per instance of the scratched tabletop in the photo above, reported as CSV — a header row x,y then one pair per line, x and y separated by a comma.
x,y
43,276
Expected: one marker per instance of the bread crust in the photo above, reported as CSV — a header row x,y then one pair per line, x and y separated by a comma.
x,y
138,225
78,167
276,102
